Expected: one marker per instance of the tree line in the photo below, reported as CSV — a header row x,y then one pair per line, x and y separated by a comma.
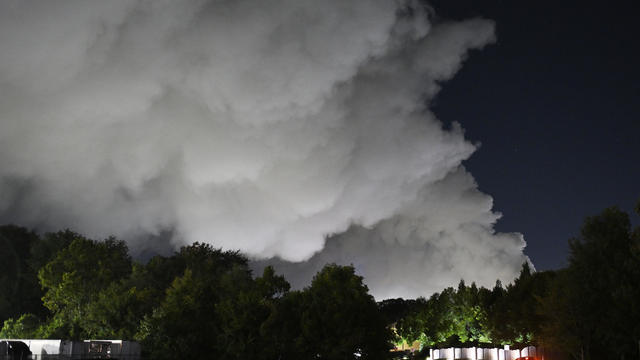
x,y
588,310
199,303
203,302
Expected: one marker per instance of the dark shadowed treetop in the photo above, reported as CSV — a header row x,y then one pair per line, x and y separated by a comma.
x,y
19,291
340,318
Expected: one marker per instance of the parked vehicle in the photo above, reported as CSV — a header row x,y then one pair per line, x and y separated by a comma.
x,y
14,350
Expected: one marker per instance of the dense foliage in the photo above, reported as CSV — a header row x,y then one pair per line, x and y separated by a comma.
x,y
593,307
468,315
203,302
589,310
200,303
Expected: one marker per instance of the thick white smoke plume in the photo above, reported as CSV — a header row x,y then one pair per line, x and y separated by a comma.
x,y
261,125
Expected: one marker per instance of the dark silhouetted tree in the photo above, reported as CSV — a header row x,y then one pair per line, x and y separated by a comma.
x,y
340,319
19,289
594,304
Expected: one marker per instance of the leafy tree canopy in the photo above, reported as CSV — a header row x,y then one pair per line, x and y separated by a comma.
x,y
76,276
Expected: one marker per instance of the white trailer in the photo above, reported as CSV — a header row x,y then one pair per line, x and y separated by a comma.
x,y
473,353
82,349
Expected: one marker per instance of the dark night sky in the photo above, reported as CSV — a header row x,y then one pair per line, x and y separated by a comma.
x,y
555,104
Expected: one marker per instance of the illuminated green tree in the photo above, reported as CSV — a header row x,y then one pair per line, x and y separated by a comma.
x,y
75,277
26,326
118,310
451,317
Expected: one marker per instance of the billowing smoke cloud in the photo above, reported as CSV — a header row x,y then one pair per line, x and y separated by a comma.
x,y
443,236
263,126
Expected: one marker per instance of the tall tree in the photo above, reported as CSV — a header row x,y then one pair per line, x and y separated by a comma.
x,y
599,290
75,277
19,290
214,309
514,318
340,320
118,309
